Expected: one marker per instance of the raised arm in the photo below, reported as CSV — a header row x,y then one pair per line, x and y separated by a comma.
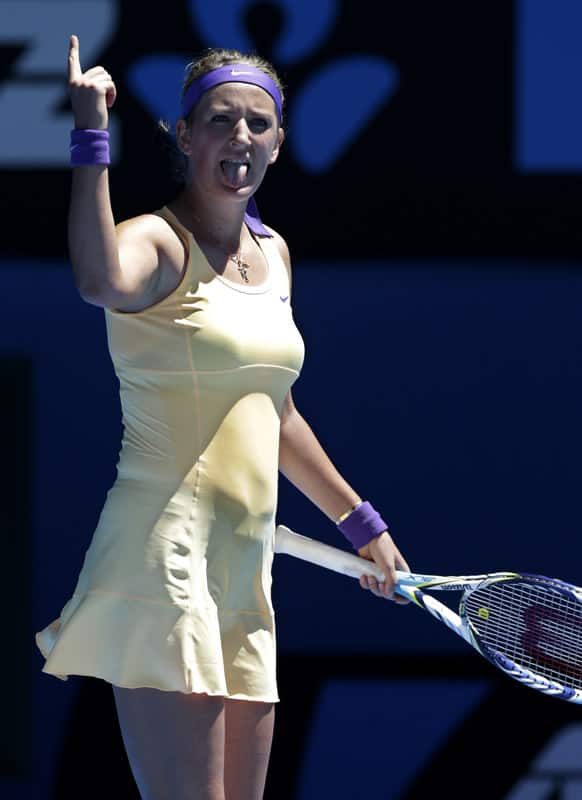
x,y
118,268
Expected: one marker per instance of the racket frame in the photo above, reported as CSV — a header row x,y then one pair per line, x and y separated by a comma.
x,y
411,586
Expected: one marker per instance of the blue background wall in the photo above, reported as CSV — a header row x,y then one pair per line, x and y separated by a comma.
x,y
448,394
430,190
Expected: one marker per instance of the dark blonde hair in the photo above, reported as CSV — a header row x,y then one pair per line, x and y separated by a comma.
x,y
216,57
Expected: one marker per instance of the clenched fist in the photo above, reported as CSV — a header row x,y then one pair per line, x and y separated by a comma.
x,y
92,92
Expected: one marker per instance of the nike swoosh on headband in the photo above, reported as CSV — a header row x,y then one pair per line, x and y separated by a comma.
x,y
231,73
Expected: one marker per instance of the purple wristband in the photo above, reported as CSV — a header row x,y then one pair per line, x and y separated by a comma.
x,y
89,147
362,525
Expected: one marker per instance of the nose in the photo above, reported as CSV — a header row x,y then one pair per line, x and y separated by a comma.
x,y
240,132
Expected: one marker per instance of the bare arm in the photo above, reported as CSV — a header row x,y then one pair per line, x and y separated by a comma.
x,y
92,241
304,462
114,267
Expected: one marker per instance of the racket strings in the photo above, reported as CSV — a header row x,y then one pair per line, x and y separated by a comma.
x,y
536,626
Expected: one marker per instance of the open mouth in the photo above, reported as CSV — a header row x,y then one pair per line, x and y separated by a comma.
x,y
235,171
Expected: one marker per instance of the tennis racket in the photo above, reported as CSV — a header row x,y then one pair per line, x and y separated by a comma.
x,y
529,626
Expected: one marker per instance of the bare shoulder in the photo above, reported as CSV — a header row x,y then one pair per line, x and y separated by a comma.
x,y
152,259
283,249
149,231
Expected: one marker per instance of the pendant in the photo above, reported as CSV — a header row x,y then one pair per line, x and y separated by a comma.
x,y
242,267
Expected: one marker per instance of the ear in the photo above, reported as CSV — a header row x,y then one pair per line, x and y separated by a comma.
x,y
184,137
280,140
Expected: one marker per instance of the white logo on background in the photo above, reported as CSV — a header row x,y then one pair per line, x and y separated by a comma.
x,y
555,772
34,128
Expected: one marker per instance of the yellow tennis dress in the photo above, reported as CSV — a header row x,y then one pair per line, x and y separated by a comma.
x,y
174,592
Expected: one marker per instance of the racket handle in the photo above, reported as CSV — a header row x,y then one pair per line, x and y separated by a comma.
x,y
293,544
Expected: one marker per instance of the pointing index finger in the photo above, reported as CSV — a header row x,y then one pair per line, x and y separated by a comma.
x,y
74,63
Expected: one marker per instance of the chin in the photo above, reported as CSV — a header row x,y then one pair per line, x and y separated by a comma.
x,y
240,192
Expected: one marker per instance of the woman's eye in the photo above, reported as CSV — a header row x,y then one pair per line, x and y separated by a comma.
x,y
258,124
219,118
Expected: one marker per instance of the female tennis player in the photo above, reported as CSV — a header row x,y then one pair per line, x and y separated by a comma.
x,y
172,606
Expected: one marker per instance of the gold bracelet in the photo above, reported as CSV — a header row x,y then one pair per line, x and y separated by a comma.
x,y
346,514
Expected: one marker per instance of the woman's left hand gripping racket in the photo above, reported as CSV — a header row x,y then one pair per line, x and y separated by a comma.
x,y
528,626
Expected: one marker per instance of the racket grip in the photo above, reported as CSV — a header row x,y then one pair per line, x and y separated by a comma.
x,y
293,544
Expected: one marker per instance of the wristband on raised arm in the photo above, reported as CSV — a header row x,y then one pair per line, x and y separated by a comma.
x,y
89,147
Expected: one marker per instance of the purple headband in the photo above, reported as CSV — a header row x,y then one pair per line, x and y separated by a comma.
x,y
231,73
236,73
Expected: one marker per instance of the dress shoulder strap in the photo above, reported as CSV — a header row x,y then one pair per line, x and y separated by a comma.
x,y
180,231
276,263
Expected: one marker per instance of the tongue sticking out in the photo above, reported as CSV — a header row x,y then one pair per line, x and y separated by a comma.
x,y
234,172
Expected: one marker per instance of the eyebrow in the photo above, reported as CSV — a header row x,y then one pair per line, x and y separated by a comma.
x,y
218,106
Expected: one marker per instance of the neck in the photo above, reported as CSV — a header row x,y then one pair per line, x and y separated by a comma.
x,y
213,222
